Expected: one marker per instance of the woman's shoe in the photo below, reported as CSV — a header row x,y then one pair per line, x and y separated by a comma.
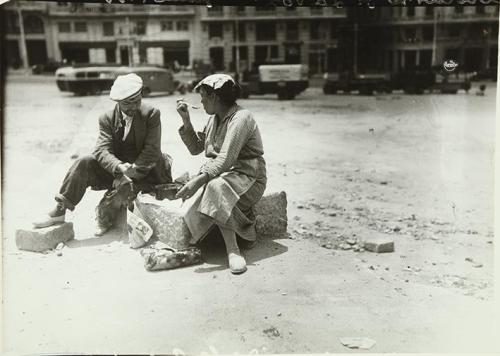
x,y
237,263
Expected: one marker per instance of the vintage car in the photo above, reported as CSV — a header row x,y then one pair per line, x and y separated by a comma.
x,y
96,79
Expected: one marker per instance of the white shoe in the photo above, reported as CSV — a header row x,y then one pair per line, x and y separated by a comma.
x,y
49,221
237,263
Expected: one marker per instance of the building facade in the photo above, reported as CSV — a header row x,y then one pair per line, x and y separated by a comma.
x,y
237,38
426,36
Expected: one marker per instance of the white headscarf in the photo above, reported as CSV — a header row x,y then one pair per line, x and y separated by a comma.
x,y
215,81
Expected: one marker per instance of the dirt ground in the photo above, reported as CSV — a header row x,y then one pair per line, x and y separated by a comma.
x,y
417,169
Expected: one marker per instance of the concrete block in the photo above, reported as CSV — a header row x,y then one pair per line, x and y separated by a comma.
x,y
40,240
379,245
166,221
271,219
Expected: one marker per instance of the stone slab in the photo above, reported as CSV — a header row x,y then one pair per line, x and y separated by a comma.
x,y
166,218
41,240
379,245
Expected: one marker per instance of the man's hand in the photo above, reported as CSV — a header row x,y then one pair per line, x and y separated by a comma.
x,y
124,167
191,187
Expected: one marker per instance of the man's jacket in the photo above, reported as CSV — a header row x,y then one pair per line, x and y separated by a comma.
x,y
147,130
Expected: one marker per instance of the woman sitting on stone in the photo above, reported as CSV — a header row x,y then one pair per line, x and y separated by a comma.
x,y
235,173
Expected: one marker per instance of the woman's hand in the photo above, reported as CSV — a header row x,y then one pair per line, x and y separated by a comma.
x,y
182,109
191,187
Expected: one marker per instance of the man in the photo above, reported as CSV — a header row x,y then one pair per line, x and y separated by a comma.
x,y
127,158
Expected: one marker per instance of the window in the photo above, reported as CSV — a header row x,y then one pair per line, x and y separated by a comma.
x,y
265,54
240,9
459,9
182,26
167,26
292,31
454,31
215,11
110,55
410,11
33,24
316,10
215,30
273,52
480,9
270,8
266,31
334,31
314,31
12,22
80,26
494,31
428,33
240,33
64,27
410,35
140,28
429,11
108,28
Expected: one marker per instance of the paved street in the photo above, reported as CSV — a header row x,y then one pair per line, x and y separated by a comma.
x,y
416,168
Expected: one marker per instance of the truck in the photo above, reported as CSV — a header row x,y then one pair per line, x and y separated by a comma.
x,y
285,80
365,83
436,79
93,80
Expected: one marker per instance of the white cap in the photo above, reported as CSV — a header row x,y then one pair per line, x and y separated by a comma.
x,y
125,86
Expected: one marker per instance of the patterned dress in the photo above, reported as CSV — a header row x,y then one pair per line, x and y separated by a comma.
x,y
237,172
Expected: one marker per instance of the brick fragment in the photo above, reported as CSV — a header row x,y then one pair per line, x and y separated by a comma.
x,y
41,240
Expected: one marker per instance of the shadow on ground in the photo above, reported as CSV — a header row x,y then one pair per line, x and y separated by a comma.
x,y
214,252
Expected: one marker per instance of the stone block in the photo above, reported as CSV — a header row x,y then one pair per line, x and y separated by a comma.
x,y
379,245
271,219
40,240
166,220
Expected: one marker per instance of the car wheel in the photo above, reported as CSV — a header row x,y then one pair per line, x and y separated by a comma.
x,y
282,95
366,91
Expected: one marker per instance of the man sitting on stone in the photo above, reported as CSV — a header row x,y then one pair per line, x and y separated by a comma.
x,y
127,158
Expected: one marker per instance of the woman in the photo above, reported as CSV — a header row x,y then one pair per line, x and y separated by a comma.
x,y
235,174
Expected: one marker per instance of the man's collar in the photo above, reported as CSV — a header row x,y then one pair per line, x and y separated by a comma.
x,y
125,116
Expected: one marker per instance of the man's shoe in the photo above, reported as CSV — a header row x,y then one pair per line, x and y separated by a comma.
x,y
99,230
54,217
237,263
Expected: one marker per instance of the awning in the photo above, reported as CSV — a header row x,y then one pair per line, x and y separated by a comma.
x,y
86,45
165,44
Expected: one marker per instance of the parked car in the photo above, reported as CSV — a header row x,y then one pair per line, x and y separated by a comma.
x,y
285,80
49,67
485,74
96,79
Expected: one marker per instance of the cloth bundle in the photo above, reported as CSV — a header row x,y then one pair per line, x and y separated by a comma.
x,y
159,257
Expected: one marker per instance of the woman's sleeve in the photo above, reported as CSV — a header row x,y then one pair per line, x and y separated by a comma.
x,y
195,142
238,132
